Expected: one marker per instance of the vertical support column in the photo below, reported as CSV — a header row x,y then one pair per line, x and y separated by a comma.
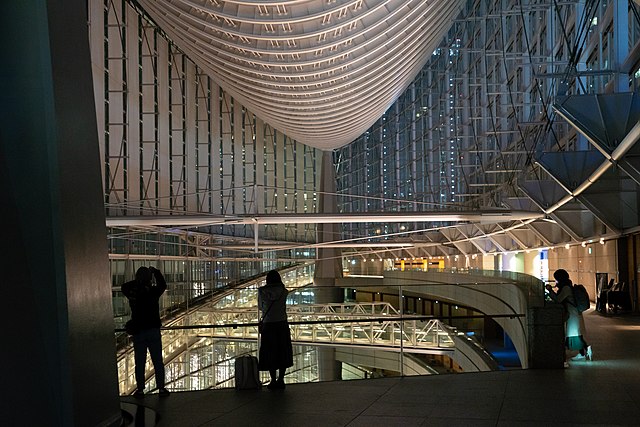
x,y
621,41
55,269
215,155
624,255
328,263
401,305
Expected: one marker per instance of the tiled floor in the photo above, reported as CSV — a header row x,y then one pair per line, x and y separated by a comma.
x,y
605,391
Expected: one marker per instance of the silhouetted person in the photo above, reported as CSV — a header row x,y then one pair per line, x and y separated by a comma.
x,y
276,353
144,296
601,300
574,324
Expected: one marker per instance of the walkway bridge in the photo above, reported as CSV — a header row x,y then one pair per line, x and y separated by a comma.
x,y
370,324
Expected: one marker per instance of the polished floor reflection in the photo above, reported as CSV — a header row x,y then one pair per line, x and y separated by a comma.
x,y
605,391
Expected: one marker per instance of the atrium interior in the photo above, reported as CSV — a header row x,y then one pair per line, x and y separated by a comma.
x,y
416,170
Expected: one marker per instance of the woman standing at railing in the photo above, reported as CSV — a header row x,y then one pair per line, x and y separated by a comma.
x,y
276,353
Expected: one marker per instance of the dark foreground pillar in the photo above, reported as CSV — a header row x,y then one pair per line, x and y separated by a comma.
x,y
58,355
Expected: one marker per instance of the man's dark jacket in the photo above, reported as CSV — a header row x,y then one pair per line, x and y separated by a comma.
x,y
143,299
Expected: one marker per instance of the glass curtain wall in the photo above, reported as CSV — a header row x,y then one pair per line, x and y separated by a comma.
x,y
173,142
467,130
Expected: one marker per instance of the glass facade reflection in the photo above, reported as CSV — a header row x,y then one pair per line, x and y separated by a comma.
x,y
466,131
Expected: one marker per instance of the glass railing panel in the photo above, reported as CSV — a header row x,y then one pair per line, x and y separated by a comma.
x,y
530,285
181,297
201,344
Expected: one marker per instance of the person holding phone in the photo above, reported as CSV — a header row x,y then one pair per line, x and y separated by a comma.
x,y
144,295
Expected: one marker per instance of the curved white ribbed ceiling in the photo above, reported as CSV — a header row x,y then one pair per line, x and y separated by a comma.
x,y
321,71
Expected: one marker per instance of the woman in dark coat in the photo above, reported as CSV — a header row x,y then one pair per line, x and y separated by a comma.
x,y
276,353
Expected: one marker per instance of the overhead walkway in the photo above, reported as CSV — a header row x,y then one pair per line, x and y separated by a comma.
x,y
375,325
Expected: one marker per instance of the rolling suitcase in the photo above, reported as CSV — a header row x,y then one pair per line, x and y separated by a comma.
x,y
247,376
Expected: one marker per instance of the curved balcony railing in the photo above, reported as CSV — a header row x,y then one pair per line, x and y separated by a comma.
x,y
201,343
372,326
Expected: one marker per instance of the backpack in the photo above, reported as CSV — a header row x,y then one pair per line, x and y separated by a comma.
x,y
247,375
581,297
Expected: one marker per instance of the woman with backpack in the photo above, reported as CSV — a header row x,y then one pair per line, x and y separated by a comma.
x,y
574,323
